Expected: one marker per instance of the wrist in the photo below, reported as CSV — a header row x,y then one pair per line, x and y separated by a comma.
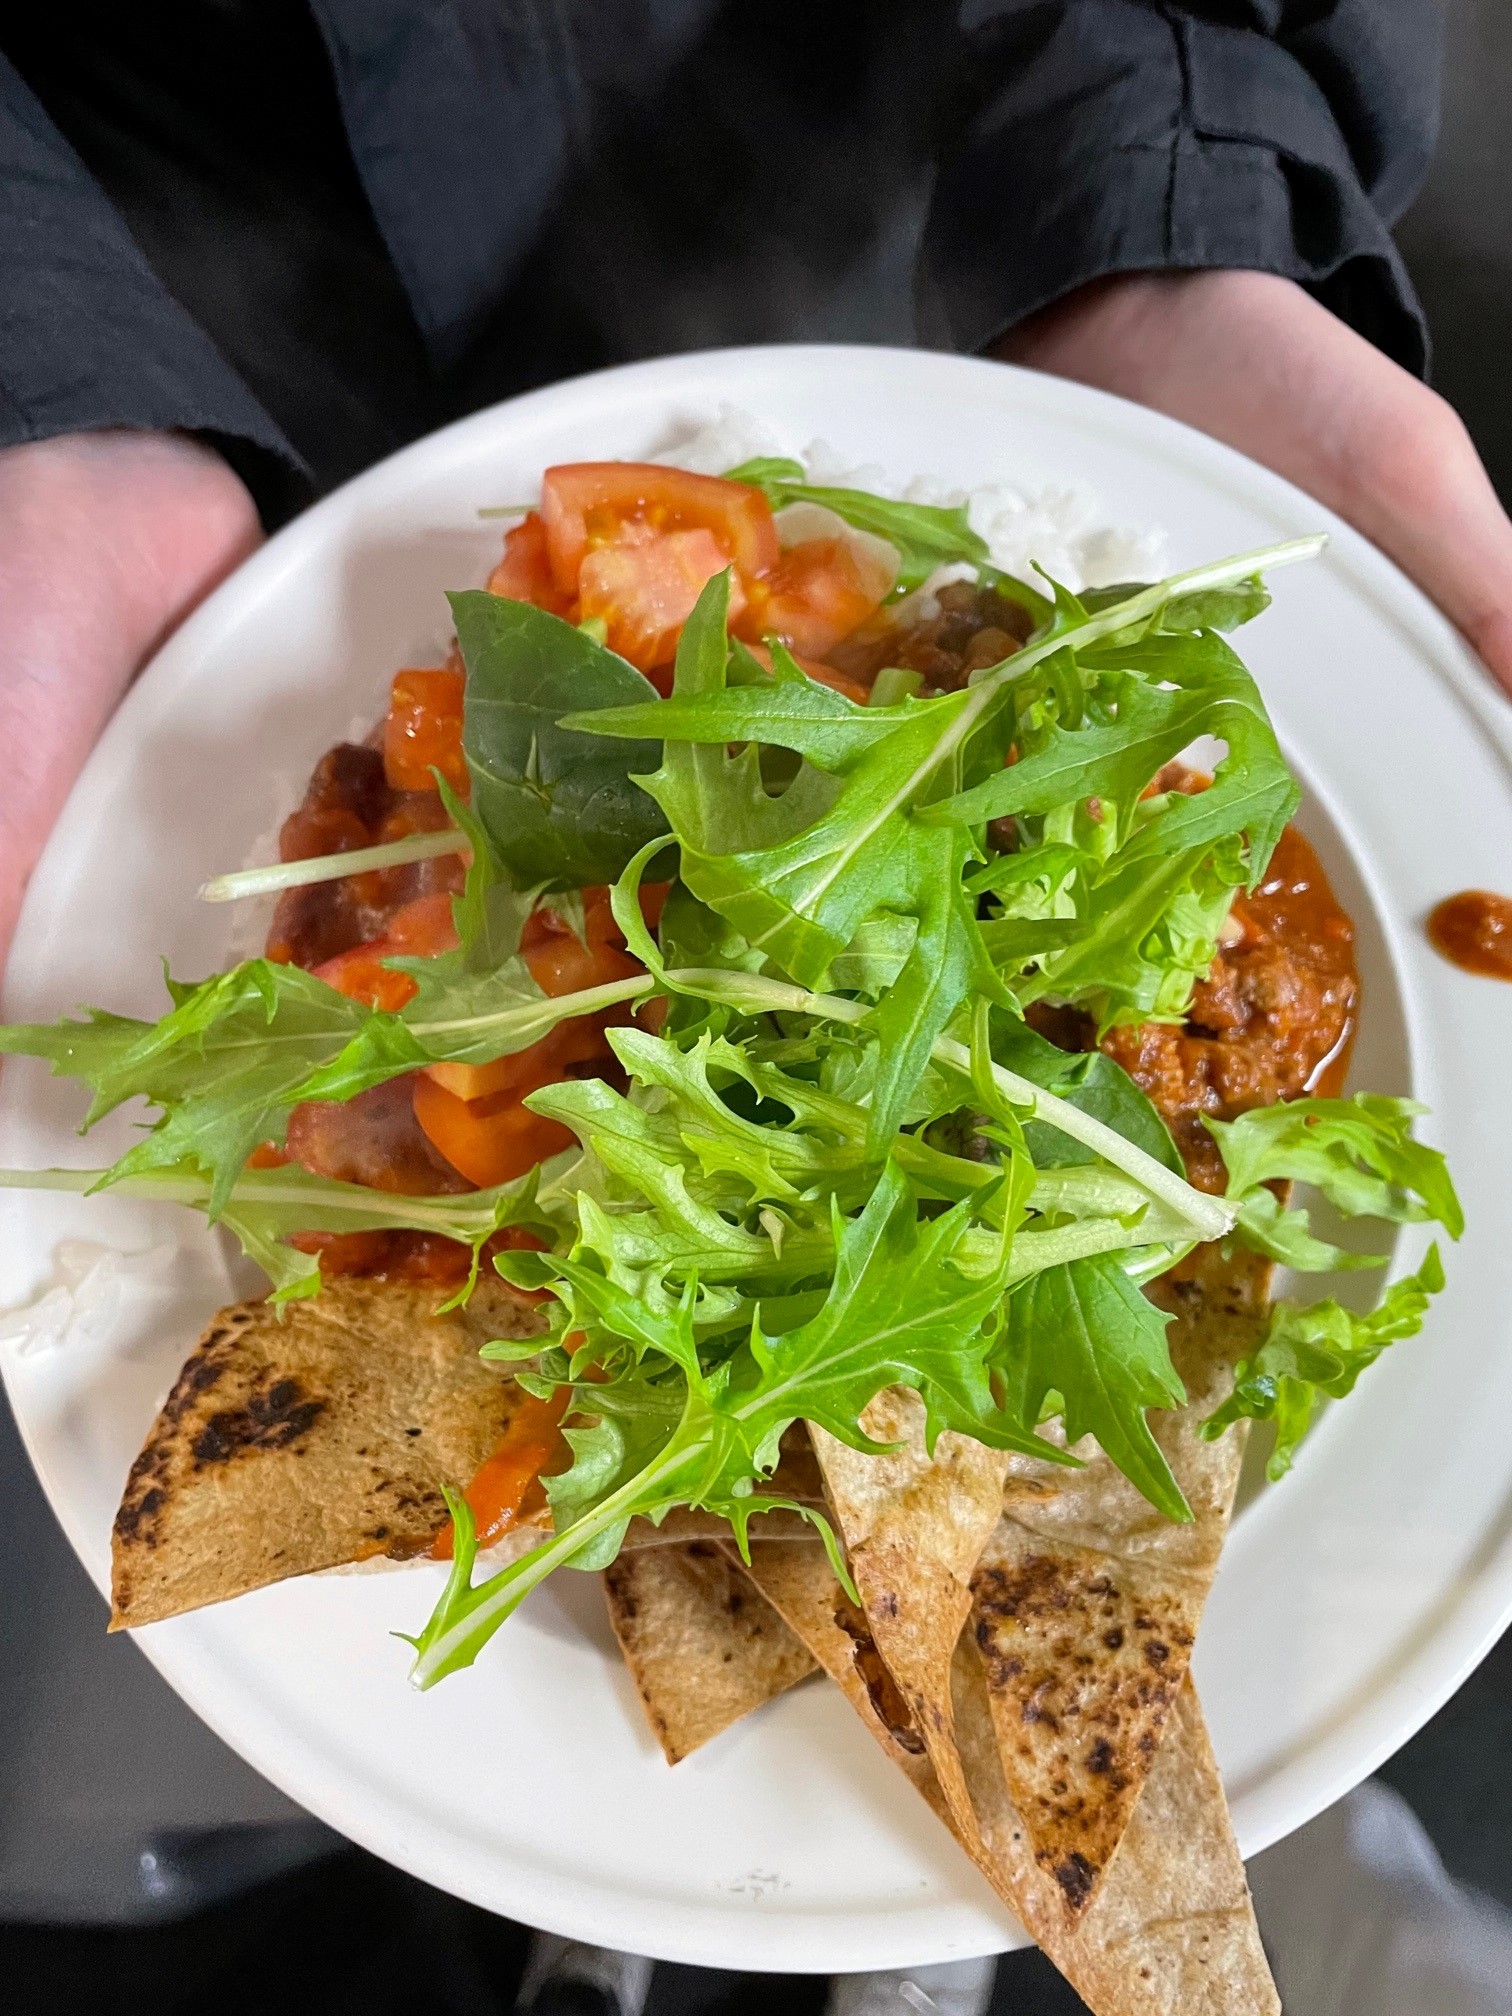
x,y
1255,361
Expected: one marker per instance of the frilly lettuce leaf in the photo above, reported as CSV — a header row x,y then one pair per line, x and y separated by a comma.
x,y
1359,1153
1316,1353
726,1439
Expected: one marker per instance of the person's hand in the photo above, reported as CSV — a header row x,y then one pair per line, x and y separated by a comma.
x,y
1254,360
107,541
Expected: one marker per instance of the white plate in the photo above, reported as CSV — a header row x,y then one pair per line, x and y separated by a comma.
x,y
1352,1599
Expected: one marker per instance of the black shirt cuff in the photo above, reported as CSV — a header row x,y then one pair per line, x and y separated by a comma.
x,y
89,339
1126,138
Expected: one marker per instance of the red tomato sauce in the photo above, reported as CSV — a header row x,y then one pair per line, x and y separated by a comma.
x,y
1473,931
1274,1019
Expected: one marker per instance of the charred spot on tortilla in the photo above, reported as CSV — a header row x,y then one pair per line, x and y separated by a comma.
x,y
1075,1876
882,1690
309,1441
1084,1615
1085,1663
274,1417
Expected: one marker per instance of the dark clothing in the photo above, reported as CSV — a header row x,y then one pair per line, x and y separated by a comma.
x,y
312,229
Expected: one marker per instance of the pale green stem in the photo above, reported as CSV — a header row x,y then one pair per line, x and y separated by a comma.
x,y
1120,615
1208,1217
511,1585
448,1215
564,1007
331,867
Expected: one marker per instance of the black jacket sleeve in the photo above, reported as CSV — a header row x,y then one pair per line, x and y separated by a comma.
x,y
88,337
1094,137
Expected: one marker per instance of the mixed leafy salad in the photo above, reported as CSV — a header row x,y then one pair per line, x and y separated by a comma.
x,y
836,1157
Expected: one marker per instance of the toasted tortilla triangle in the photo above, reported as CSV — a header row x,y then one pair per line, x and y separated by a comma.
x,y
1086,1602
702,1644
914,1527
797,1580
311,1441
1172,1929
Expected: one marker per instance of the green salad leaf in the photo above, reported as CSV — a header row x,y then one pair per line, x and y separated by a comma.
x,y
1315,1353
1084,1334
267,1207
238,1052
927,536
1359,1153
726,1437
560,810
837,1159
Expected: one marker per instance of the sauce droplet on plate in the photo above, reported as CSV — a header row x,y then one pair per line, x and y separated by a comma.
x,y
1474,930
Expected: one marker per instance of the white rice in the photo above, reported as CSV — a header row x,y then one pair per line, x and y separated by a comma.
x,y
1064,532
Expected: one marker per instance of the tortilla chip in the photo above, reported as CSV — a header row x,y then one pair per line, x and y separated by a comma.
x,y
914,1528
1172,1929
310,1442
798,1581
1086,1601
702,1645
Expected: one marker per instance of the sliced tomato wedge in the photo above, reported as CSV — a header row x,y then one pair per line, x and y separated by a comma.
x,y
560,964
584,504
488,1141
643,585
423,731
580,1041
524,574
419,930
817,593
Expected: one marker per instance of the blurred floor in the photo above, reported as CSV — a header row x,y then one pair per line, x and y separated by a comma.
x,y
113,1798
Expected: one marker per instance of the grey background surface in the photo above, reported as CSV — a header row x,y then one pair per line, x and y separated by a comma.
x,y
118,1806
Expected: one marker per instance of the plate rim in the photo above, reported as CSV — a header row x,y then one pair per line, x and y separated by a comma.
x,y
1421,1681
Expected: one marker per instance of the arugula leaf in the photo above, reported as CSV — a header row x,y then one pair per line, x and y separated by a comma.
x,y
1359,1153
798,876
238,1052
560,808
1317,1353
93,1050
927,536
221,1064
1085,1335
1154,698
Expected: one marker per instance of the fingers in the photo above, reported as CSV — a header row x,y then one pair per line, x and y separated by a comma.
x,y
1254,361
